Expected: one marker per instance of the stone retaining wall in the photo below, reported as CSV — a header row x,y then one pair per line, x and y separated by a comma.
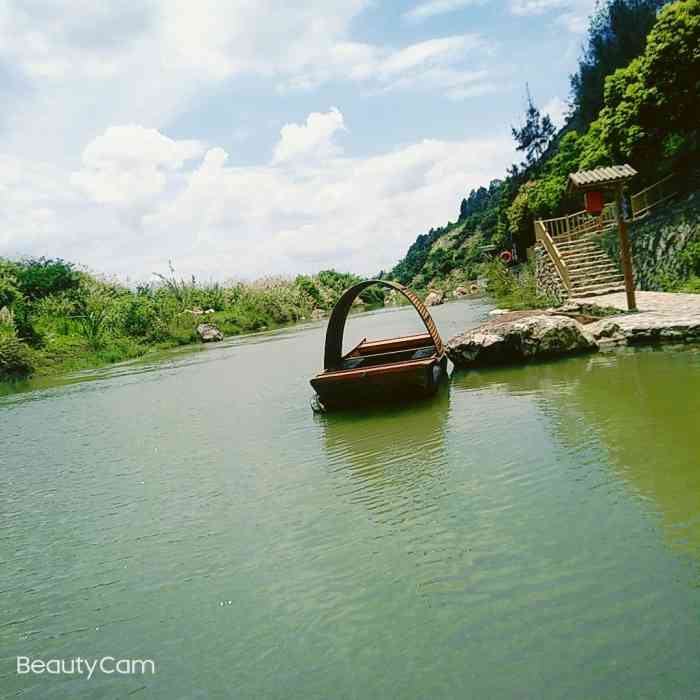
x,y
546,276
658,243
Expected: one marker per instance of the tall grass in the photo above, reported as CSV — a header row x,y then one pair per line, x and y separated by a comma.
x,y
85,320
514,288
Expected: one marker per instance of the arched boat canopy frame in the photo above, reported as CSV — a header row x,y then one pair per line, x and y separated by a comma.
x,y
336,324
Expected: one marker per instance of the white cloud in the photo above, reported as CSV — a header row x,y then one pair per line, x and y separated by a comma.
x,y
535,7
313,139
573,15
577,19
87,65
441,65
42,214
53,40
83,65
437,7
557,110
446,50
130,163
218,219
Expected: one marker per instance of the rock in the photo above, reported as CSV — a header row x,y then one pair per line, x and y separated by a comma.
x,y
581,308
569,307
460,292
608,333
435,298
518,340
498,312
209,333
317,314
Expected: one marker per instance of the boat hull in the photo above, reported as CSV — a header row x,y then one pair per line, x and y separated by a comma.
x,y
400,381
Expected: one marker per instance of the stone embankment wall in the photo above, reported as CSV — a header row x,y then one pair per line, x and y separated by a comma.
x,y
546,275
658,243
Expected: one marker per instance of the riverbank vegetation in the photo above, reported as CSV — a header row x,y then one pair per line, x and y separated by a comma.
x,y
635,97
57,317
514,288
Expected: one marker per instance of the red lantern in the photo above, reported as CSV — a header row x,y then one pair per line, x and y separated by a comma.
x,y
594,201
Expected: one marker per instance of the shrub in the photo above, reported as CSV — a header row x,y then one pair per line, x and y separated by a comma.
x,y
15,357
374,296
210,296
691,257
39,277
137,316
514,289
182,329
9,293
692,285
24,323
56,313
95,315
307,286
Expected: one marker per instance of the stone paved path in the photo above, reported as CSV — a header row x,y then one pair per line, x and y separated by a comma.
x,y
661,317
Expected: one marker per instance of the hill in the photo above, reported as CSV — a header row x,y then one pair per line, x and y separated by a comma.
x,y
634,98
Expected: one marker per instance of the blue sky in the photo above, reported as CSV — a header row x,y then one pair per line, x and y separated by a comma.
x,y
255,137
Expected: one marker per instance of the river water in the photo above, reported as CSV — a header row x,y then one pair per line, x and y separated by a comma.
x,y
532,532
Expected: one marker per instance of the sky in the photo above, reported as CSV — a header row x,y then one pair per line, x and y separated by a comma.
x,y
247,138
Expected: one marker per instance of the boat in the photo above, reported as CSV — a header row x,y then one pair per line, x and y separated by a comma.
x,y
377,371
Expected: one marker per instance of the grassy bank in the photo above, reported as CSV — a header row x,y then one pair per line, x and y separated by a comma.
x,y
55,317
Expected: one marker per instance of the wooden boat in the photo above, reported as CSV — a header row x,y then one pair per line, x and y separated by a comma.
x,y
379,370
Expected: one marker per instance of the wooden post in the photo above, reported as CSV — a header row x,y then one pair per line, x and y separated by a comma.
x,y
625,252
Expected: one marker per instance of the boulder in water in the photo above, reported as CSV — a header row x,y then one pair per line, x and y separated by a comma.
x,y
209,333
435,298
519,338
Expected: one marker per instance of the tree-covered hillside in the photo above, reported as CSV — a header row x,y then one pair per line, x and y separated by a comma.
x,y
634,98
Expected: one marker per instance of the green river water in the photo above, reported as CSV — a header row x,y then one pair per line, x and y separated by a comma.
x,y
533,532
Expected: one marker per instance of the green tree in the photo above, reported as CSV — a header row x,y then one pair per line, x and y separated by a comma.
x,y
534,135
651,106
617,34
39,277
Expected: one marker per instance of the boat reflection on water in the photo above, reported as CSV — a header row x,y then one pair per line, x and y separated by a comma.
x,y
632,404
389,457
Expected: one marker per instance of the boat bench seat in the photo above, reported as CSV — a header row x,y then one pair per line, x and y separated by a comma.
x,y
387,357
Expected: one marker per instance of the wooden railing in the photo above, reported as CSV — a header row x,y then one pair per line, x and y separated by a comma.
x,y
569,227
542,235
643,202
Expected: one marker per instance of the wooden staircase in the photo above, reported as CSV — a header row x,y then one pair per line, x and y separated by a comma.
x,y
590,269
583,267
